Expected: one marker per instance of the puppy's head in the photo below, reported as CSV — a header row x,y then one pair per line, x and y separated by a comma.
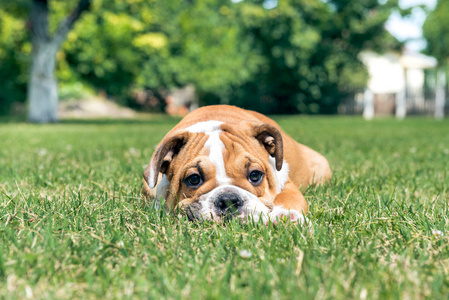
x,y
217,170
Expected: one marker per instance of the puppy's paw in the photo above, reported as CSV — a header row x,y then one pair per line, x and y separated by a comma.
x,y
279,214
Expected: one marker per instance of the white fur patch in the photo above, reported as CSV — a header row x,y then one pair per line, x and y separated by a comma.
x,y
151,182
206,127
163,188
282,175
215,146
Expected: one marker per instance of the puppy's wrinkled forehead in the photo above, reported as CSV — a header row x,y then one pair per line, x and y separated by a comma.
x,y
229,149
215,146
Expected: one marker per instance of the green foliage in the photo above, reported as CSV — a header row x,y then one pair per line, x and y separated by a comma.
x,y
436,32
298,56
128,45
14,60
72,225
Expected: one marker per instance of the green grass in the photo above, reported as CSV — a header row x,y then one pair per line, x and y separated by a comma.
x,y
72,224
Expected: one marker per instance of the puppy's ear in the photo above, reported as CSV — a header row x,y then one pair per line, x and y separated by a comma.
x,y
270,137
163,156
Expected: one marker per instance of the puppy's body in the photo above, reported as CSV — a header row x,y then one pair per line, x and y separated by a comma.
x,y
222,161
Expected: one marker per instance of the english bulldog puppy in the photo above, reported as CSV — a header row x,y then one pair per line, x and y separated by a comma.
x,y
222,162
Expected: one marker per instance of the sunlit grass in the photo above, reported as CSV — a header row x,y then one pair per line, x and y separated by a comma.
x,y
72,224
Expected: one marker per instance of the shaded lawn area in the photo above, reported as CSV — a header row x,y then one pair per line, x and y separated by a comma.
x,y
72,224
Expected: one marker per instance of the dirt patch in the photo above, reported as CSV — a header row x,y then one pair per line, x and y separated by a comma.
x,y
93,108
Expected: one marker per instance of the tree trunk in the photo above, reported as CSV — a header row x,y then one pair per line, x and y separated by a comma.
x,y
42,86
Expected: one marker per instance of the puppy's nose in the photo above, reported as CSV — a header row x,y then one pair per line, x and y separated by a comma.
x,y
229,201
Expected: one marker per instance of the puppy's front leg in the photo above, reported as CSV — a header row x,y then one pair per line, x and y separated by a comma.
x,y
289,204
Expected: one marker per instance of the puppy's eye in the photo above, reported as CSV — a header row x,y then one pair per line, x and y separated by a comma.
x,y
255,177
193,180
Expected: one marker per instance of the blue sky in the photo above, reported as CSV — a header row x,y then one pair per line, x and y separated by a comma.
x,y
410,28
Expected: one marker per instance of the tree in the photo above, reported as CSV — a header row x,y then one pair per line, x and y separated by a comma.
x,y
310,49
42,88
126,45
436,32
293,56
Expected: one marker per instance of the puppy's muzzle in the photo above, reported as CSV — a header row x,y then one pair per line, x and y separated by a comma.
x,y
225,203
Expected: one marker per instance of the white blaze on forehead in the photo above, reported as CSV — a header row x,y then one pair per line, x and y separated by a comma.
x,y
215,146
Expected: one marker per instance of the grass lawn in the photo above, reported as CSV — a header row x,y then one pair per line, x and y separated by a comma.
x,y
72,224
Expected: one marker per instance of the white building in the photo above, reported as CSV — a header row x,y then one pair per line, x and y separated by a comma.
x,y
396,84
